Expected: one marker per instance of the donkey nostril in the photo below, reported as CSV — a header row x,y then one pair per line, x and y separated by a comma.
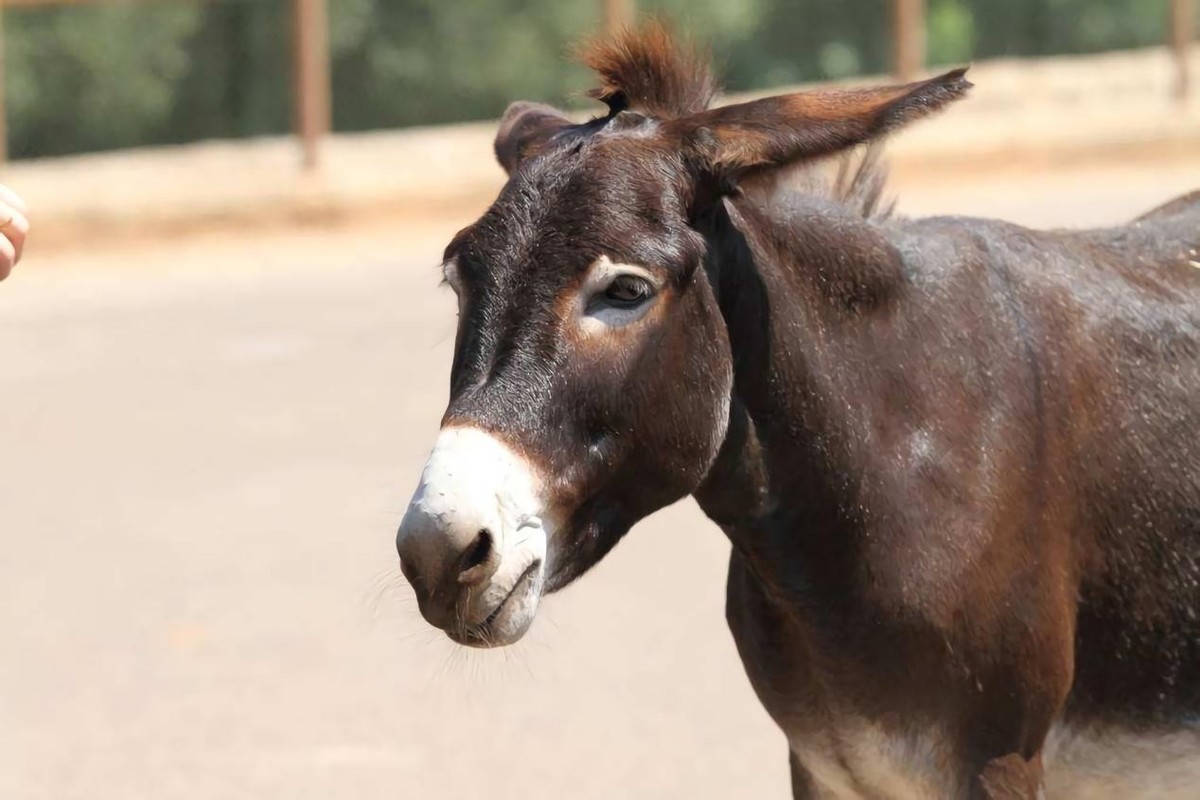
x,y
474,565
479,551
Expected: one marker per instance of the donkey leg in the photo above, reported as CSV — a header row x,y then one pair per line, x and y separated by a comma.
x,y
803,787
1010,777
1006,748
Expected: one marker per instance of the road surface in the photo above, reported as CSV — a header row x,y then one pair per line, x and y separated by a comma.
x,y
205,448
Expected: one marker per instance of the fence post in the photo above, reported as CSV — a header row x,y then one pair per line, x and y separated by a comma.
x,y
908,38
1183,16
617,15
310,29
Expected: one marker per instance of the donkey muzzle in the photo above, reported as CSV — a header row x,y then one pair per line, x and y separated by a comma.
x,y
473,542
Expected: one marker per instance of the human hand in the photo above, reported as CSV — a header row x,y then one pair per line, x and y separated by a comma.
x,y
14,226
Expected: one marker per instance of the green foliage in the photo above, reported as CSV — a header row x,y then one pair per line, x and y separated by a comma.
x,y
951,32
104,76
435,59
93,78
1037,27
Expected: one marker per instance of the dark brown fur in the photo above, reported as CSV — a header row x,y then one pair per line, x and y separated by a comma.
x,y
958,459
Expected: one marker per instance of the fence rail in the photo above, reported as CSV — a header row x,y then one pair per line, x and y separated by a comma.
x,y
311,56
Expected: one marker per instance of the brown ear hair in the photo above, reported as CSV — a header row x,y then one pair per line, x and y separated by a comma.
x,y
524,128
733,140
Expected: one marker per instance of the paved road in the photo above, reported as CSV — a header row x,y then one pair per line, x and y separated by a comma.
x,y
204,451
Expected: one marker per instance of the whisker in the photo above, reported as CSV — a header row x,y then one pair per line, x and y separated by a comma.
x,y
444,669
387,585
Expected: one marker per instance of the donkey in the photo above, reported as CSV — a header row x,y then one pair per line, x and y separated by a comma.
x,y
958,460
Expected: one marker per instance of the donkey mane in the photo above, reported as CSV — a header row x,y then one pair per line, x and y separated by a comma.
x,y
856,180
861,184
649,70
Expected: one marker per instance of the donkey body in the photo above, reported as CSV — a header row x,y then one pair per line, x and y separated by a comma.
x,y
975,511
958,460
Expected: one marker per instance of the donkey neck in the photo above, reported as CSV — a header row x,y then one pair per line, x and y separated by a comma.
x,y
803,286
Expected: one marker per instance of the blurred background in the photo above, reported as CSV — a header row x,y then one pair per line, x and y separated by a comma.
x,y
99,75
225,355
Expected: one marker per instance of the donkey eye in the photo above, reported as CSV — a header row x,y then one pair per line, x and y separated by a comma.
x,y
628,290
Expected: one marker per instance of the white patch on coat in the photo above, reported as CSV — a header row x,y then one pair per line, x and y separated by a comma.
x,y
859,760
454,280
473,482
450,273
1108,763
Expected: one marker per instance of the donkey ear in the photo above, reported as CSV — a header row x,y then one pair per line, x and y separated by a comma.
x,y
524,128
733,140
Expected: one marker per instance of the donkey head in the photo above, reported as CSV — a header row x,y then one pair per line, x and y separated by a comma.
x,y
592,372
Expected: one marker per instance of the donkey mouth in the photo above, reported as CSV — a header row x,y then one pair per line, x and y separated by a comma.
x,y
511,617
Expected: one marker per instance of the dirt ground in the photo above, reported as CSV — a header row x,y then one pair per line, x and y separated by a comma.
x,y
205,448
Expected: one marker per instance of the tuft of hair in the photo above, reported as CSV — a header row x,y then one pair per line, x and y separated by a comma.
x,y
648,69
861,183
855,179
